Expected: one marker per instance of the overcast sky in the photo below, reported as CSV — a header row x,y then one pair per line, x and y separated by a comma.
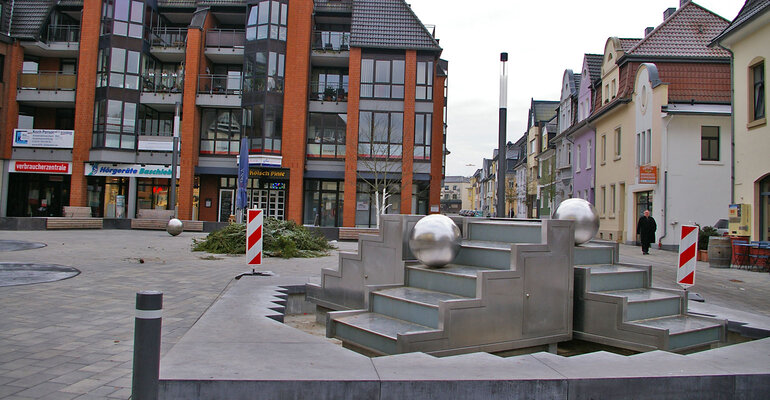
x,y
542,38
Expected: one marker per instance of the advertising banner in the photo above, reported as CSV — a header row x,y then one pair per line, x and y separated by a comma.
x,y
47,138
41,167
129,170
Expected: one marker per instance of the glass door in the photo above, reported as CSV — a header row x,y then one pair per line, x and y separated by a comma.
x,y
276,204
226,201
643,202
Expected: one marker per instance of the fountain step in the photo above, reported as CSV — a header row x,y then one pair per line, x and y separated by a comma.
x,y
504,231
452,278
685,331
411,304
373,331
648,303
594,253
484,254
606,277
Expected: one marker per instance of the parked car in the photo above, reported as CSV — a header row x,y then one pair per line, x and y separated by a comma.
x,y
722,227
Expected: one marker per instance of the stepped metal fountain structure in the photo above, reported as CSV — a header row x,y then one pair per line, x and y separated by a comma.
x,y
514,284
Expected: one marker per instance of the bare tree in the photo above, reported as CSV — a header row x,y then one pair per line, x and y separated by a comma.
x,y
380,149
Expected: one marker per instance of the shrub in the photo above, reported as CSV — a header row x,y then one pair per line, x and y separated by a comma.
x,y
703,236
280,239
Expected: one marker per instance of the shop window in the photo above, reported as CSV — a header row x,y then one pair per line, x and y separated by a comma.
x,y
380,135
152,194
422,136
326,135
323,202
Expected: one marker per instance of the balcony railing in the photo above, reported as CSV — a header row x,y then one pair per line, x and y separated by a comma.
x,y
331,41
169,37
226,38
162,83
62,33
47,81
219,84
328,92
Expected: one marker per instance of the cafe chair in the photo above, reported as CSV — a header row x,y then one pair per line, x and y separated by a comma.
x,y
741,253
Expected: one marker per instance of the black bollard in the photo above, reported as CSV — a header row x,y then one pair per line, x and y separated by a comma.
x,y
144,385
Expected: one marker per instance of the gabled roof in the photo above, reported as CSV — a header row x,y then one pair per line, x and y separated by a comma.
x,y
594,64
388,24
544,110
751,9
576,83
627,44
28,17
686,33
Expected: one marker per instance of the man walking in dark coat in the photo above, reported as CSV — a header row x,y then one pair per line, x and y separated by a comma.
x,y
646,228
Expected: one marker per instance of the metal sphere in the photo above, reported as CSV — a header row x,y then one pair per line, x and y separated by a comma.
x,y
435,240
174,227
585,216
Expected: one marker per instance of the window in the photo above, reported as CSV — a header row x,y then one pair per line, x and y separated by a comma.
x,y
643,146
114,124
604,200
588,155
533,146
422,136
382,79
220,131
454,187
614,89
329,84
758,90
617,143
124,69
424,90
606,93
604,148
326,135
154,123
123,18
612,199
454,197
267,19
709,143
380,135
577,159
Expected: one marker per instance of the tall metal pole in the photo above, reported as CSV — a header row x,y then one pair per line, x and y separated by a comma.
x,y
501,147
174,161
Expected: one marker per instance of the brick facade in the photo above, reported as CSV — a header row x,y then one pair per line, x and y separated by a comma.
x,y
351,139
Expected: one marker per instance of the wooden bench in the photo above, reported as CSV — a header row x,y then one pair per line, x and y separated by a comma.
x,y
160,224
77,212
155,214
73,223
347,233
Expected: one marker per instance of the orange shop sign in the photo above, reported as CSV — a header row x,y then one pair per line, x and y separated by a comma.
x,y
648,174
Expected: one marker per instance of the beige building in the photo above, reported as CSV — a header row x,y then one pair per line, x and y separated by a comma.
x,y
747,38
540,114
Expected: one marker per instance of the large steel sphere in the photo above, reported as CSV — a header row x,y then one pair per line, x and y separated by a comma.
x,y
585,216
435,240
174,227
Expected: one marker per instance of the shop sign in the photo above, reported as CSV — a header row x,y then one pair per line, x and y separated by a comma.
x,y
280,174
51,138
362,206
129,170
41,167
648,174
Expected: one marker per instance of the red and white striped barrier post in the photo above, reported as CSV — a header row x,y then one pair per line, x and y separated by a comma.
x,y
688,249
254,237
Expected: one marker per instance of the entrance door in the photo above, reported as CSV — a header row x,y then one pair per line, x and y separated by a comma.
x,y
259,200
277,198
226,201
328,209
643,202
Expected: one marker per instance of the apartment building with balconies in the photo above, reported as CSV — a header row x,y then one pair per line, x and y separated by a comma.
x,y
327,94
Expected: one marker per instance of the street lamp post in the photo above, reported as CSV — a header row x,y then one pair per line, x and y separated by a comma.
x,y
501,147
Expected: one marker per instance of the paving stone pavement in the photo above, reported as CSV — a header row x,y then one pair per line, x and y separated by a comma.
x,y
73,339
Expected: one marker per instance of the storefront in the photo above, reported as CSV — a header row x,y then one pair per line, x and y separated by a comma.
x,y
267,190
323,202
38,188
118,190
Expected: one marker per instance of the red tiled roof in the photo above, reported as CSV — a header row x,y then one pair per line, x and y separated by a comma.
x,y
686,33
627,44
696,82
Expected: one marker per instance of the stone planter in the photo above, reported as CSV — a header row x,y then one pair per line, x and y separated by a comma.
x,y
703,255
